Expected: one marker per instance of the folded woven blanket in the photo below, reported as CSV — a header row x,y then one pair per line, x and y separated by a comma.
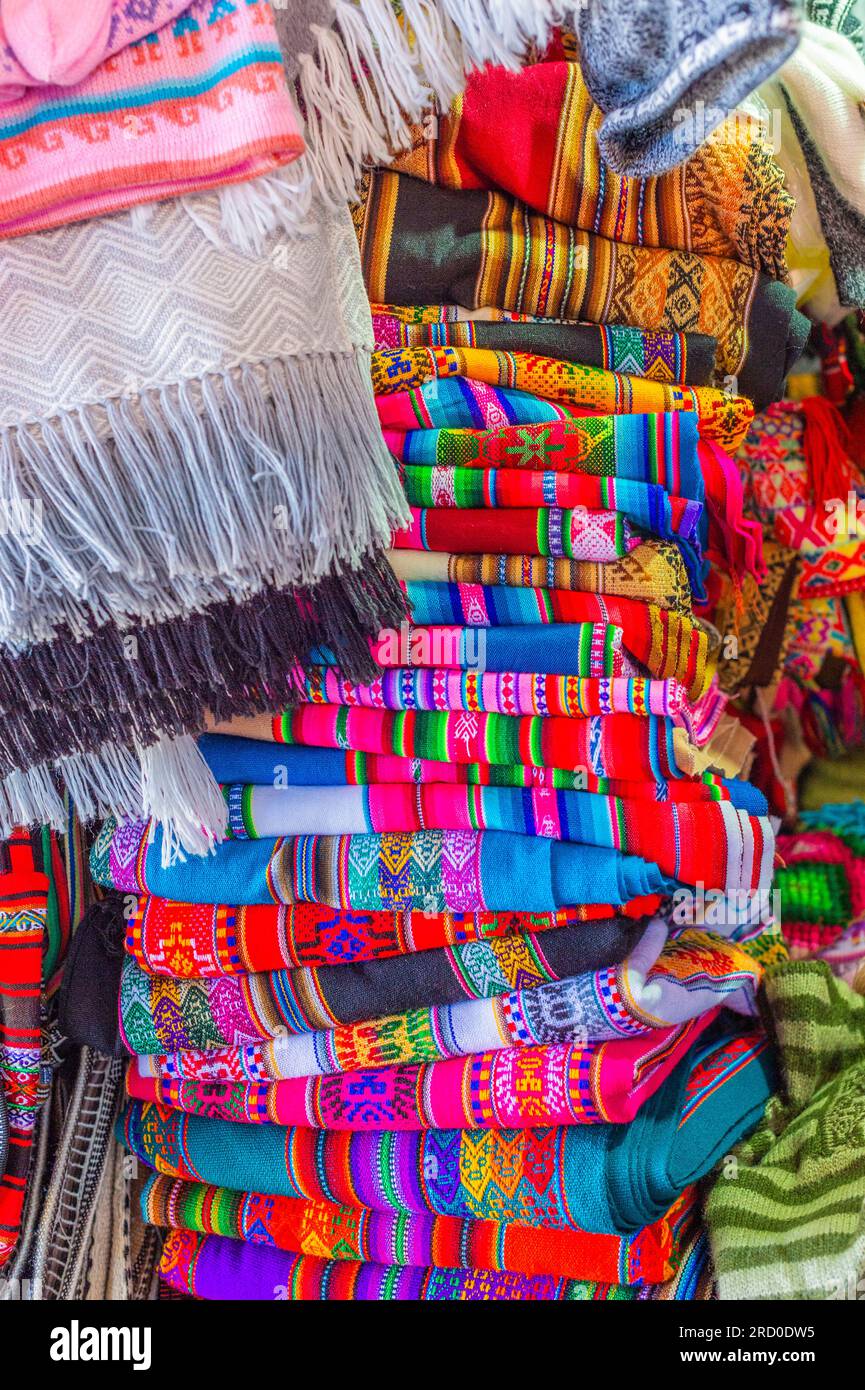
x,y
330,1231
559,513
656,985
576,533
439,871
205,1266
666,76
256,762
645,448
668,644
485,248
192,940
463,403
159,1014
613,745
534,134
515,1088
652,573
788,1222
602,1178
504,692
201,101
215,1267
710,842
685,358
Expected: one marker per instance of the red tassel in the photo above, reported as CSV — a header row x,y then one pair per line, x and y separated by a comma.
x,y
831,471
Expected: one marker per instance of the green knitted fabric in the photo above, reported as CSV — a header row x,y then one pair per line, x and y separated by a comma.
x,y
817,893
786,1217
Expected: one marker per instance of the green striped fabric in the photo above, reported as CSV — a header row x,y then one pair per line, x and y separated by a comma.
x,y
786,1216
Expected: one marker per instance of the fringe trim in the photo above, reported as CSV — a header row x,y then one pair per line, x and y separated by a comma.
x,y
193,494
168,782
128,689
249,212
369,78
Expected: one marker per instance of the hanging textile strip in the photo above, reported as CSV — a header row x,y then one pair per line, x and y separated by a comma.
x,y
435,870
486,248
597,1178
644,448
443,1242
686,359
258,762
203,101
159,1014
405,379
614,745
23,907
515,1088
533,133
653,573
695,973
666,643
496,692
461,403
190,940
215,1267
710,842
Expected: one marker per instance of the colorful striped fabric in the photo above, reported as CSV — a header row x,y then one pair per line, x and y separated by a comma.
x,y
200,103
712,842
262,762
660,449
653,573
683,358
507,692
433,870
587,649
472,388
518,1087
215,1267
547,530
667,643
198,940
592,1177
598,512
613,745
160,1014
658,984
533,132
486,248
333,1232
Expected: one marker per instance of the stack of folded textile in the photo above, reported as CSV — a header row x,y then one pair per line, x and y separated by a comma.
x,y
464,1006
